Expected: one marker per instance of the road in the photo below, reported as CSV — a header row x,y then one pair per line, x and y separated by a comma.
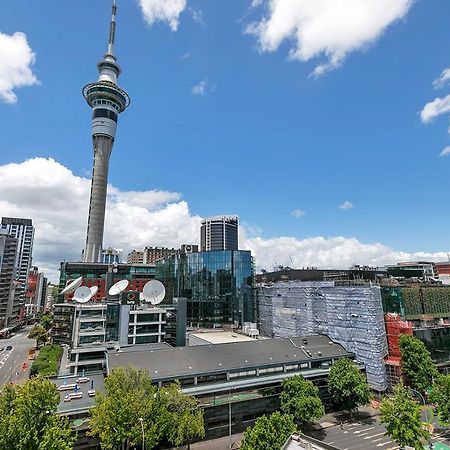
x,y
11,361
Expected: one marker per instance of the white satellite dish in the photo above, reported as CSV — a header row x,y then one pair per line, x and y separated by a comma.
x,y
82,295
94,290
141,296
75,284
154,292
119,287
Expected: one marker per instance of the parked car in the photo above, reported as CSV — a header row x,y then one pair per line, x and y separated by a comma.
x,y
9,347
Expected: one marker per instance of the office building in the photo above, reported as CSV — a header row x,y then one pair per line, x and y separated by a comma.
x,y
36,294
135,257
111,256
412,269
9,298
23,231
153,254
216,284
107,101
219,233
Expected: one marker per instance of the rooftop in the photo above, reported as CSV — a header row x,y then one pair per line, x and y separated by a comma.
x,y
181,362
221,337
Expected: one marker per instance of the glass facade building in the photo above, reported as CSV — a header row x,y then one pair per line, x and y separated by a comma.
x,y
217,285
219,233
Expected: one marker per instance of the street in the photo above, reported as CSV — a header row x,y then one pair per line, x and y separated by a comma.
x,y
11,361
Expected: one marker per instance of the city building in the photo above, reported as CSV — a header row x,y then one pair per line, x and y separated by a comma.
x,y
216,284
216,337
351,315
135,257
36,293
219,233
23,231
153,254
9,296
111,256
94,274
107,101
412,269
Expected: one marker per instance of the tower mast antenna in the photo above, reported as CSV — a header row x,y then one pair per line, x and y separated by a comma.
x,y
112,28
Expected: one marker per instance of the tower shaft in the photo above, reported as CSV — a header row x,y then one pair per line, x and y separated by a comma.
x,y
107,101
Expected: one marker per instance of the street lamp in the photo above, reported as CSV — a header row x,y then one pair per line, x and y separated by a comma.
x,y
430,443
143,434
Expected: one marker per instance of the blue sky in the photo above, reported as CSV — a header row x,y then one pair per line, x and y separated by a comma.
x,y
266,137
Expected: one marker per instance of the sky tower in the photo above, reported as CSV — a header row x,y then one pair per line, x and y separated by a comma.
x,y
107,101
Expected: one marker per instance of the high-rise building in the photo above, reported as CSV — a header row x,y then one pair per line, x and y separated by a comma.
x,y
111,256
153,254
23,231
107,101
219,233
9,301
217,285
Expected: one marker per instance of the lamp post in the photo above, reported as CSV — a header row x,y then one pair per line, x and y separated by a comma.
x,y
143,434
430,443
229,414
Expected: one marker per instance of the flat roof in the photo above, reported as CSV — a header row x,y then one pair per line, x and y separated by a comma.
x,y
221,337
78,405
182,362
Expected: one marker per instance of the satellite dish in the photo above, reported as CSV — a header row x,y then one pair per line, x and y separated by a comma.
x,y
75,284
154,292
119,287
94,290
141,296
82,295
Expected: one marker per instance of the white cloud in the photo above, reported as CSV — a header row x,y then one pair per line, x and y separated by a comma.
x,y
203,88
197,16
163,11
346,205
445,151
328,28
435,108
57,201
186,55
16,60
297,213
443,79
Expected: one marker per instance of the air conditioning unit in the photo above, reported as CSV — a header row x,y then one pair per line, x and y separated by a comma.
x,y
129,297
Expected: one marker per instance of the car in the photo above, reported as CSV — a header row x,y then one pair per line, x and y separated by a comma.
x,y
9,347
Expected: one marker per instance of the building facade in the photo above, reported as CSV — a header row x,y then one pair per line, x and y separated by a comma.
x,y
219,233
23,231
216,284
153,254
9,298
135,257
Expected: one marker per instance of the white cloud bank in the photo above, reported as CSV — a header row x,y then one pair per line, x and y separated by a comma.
x,y
328,28
202,88
435,108
168,11
16,60
346,205
57,201
443,79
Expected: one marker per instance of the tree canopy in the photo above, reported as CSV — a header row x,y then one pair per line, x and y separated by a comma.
x,y
131,398
401,416
440,396
28,418
417,363
347,385
300,398
47,321
39,333
269,432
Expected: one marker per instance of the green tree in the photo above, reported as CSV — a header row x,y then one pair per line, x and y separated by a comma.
x,y
300,398
39,333
130,396
28,415
185,417
347,385
402,417
58,435
417,363
47,321
269,432
440,396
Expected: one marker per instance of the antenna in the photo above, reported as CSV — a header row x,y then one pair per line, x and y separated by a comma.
x,y
119,287
72,286
94,290
112,28
83,294
154,292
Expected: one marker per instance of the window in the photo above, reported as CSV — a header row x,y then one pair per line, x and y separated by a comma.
x,y
106,113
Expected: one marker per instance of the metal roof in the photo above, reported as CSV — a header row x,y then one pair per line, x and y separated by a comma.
x,y
182,362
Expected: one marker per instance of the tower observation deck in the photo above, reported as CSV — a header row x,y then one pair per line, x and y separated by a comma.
x,y
107,101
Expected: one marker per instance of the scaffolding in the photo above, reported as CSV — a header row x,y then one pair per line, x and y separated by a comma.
x,y
349,315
